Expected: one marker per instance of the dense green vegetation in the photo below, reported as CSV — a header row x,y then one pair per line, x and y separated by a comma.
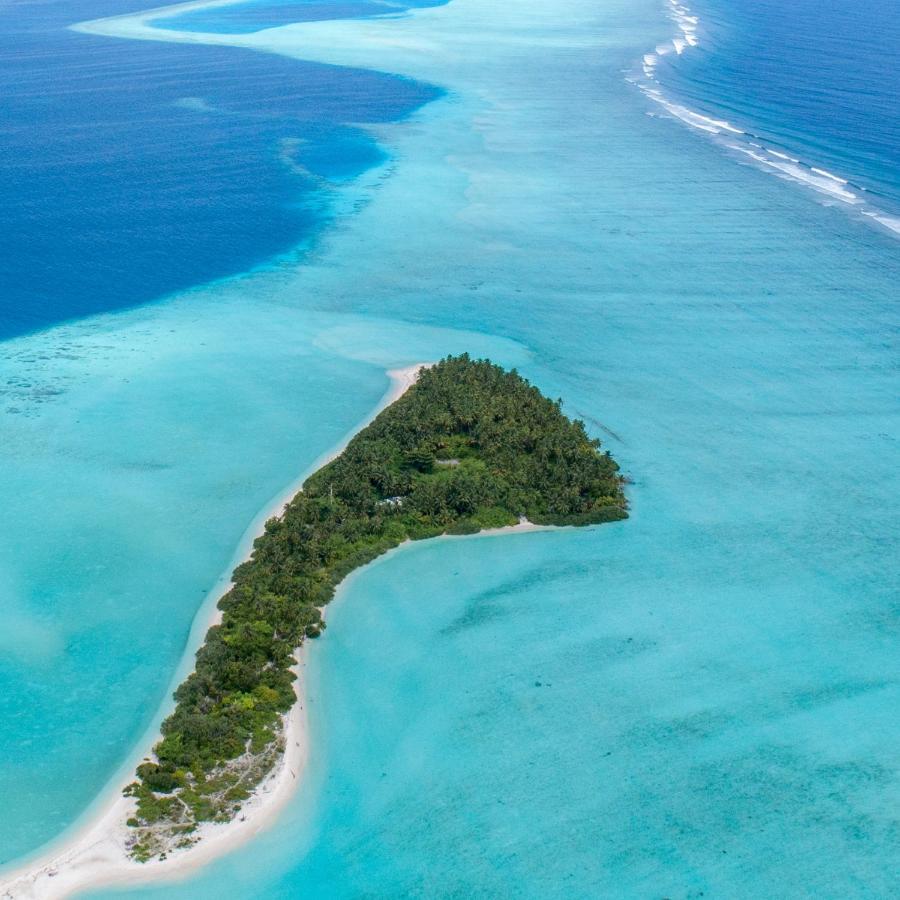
x,y
469,446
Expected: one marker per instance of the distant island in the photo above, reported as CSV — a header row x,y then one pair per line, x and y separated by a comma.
x,y
468,447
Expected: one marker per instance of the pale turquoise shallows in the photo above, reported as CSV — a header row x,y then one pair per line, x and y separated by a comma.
x,y
140,449
698,701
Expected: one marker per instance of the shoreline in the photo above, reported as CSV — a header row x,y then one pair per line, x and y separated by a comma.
x,y
95,855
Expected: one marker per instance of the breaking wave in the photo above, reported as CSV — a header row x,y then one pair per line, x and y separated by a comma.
x,y
832,188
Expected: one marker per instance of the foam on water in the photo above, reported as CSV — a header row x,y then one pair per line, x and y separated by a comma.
x,y
745,144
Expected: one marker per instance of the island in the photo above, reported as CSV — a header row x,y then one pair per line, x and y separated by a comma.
x,y
470,446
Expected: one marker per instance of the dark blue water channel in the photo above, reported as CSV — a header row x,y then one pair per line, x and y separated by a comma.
x,y
240,18
131,169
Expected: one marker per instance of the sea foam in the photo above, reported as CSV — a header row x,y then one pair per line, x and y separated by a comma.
x,y
746,145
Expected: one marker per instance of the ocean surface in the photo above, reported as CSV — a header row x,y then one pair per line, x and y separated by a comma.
x,y
806,90
239,18
699,701
131,170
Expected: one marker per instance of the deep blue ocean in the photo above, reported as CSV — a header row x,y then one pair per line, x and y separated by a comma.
x,y
211,249
254,16
130,170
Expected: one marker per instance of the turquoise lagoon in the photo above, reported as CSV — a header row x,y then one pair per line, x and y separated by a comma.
x,y
700,701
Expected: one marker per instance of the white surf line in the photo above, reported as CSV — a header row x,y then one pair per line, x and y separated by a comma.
x,y
95,853
829,186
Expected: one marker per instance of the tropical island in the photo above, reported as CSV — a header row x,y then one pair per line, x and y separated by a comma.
x,y
468,447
